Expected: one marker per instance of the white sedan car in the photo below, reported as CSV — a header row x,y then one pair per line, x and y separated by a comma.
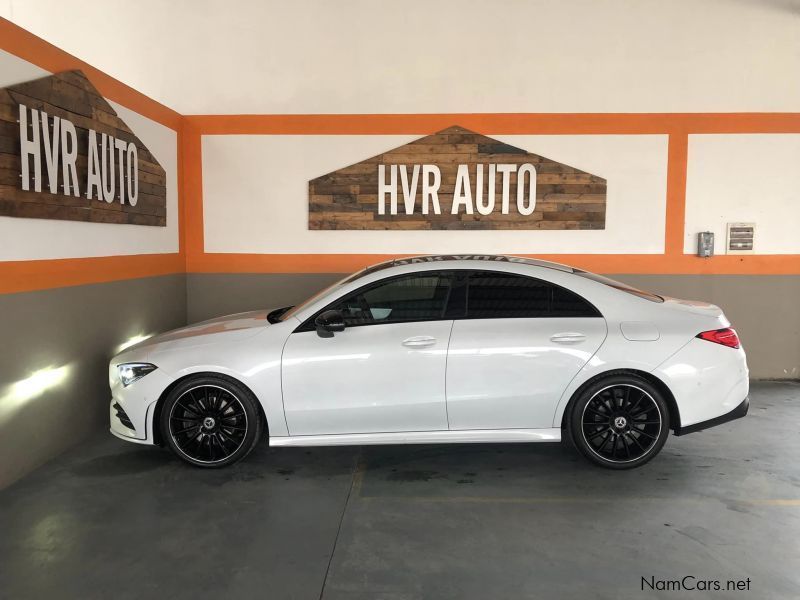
x,y
439,349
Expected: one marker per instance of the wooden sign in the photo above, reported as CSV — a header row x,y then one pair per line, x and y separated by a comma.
x,y
65,154
457,179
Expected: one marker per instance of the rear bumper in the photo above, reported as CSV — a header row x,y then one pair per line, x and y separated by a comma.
x,y
736,413
707,380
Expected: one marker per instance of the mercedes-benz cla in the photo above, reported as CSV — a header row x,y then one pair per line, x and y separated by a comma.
x,y
439,349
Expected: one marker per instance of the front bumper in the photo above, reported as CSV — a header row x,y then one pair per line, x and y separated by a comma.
x,y
736,413
131,408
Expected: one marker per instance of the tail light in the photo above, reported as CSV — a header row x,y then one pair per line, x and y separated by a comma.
x,y
726,337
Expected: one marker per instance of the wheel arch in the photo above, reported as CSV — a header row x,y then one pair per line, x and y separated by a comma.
x,y
157,438
669,398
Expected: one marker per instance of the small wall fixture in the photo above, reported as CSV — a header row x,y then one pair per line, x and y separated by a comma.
x,y
740,238
705,244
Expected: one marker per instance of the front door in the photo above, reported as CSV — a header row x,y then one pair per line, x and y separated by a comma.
x,y
384,373
521,344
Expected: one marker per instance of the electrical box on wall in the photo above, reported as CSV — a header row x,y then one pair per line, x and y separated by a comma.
x,y
705,244
740,238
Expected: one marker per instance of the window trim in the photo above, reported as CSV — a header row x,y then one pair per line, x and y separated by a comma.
x,y
308,324
459,285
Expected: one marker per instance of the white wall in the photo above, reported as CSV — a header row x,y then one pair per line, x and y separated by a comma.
x,y
255,196
29,239
744,178
363,56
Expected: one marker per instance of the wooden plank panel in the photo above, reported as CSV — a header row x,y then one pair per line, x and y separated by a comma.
x,y
567,197
71,96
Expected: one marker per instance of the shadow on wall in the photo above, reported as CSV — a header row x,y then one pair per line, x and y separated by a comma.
x,y
54,362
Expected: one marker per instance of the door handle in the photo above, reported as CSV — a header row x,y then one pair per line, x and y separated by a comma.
x,y
419,341
568,338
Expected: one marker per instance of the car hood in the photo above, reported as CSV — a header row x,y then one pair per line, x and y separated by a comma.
x,y
256,319
229,327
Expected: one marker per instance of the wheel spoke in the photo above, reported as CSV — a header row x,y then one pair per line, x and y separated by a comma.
x,y
605,440
596,433
188,440
222,438
187,429
636,441
228,404
597,412
187,409
635,404
233,416
185,419
233,427
625,444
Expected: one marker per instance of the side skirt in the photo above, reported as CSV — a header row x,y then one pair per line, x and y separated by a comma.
x,y
422,437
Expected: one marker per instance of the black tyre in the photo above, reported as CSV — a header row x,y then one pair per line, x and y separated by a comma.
x,y
619,422
211,421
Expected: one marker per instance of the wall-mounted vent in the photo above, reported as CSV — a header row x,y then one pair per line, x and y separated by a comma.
x,y
741,237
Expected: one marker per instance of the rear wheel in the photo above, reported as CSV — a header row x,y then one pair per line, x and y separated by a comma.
x,y
211,421
619,422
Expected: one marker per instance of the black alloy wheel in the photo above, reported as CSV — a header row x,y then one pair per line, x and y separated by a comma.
x,y
210,421
621,422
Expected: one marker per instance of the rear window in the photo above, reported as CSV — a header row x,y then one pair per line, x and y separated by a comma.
x,y
622,287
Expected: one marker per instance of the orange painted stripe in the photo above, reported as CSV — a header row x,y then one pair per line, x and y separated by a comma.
x,y
30,275
19,42
192,177
497,123
675,223
684,264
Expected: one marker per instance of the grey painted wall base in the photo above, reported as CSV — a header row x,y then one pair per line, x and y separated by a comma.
x,y
215,294
763,308
77,329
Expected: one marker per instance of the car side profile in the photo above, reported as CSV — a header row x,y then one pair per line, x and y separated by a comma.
x,y
439,349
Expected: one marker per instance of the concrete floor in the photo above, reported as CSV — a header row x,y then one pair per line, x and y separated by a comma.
x,y
115,520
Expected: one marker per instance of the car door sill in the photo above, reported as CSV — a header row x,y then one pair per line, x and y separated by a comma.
x,y
422,437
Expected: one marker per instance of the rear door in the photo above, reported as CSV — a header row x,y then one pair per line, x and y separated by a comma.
x,y
521,343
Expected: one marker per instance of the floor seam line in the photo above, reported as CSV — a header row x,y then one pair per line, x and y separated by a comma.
x,y
356,468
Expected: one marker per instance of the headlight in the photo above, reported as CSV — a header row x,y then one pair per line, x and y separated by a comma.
x,y
130,372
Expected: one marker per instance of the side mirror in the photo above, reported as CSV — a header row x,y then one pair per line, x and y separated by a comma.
x,y
329,322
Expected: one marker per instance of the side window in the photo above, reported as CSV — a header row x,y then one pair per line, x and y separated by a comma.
x,y
505,295
420,297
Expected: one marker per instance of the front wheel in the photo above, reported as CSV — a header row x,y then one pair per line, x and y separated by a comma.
x,y
211,421
619,422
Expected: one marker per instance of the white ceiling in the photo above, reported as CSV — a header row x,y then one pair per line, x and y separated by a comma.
x,y
361,56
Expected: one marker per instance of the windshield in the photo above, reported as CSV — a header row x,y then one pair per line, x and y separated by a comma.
x,y
618,285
